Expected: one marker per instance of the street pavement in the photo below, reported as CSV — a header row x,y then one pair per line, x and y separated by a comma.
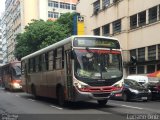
x,y
22,106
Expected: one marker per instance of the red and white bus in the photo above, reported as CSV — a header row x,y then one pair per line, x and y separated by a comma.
x,y
11,76
78,68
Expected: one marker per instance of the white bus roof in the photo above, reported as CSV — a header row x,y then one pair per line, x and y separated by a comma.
x,y
60,43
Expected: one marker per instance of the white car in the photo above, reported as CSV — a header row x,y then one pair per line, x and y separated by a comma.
x,y
142,79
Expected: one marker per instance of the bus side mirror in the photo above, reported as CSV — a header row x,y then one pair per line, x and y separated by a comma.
x,y
133,60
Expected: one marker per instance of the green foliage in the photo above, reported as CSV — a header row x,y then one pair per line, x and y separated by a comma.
x,y
39,34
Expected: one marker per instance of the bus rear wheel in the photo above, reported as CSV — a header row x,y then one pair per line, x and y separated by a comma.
x,y
60,96
102,102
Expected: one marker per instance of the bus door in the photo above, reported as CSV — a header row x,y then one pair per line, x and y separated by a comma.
x,y
69,74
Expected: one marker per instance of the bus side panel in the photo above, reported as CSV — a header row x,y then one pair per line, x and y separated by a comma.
x,y
36,81
51,80
44,85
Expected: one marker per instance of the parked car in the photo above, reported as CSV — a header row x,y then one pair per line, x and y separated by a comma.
x,y
154,87
132,90
142,79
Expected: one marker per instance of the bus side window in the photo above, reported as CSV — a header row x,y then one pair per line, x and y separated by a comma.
x,y
36,64
59,58
40,63
50,60
23,67
44,63
33,64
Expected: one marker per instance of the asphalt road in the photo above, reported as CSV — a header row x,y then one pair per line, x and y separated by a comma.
x,y
22,106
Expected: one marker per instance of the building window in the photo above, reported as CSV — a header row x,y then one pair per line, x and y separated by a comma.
x,y
142,18
140,69
158,67
73,7
141,54
50,3
105,3
159,52
96,6
153,14
50,15
132,70
67,6
152,52
116,26
53,4
96,31
133,52
150,68
106,30
62,5
53,14
133,21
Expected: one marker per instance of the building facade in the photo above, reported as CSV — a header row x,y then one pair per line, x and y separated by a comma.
x,y
4,42
18,13
1,54
135,23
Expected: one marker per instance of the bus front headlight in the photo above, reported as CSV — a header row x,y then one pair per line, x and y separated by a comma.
x,y
16,85
81,86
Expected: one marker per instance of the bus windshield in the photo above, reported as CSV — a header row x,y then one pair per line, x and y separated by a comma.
x,y
16,72
98,64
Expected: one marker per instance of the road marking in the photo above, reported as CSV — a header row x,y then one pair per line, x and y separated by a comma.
x,y
56,107
132,107
31,100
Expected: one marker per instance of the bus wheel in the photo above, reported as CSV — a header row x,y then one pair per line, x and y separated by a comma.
x,y
102,102
60,96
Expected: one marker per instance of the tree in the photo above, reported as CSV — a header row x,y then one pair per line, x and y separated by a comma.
x,y
39,34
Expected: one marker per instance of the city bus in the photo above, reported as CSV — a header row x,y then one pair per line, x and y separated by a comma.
x,y
11,76
78,68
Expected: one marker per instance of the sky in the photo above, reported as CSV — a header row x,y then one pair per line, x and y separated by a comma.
x,y
2,6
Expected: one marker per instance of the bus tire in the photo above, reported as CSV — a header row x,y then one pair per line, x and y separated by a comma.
x,y
102,102
60,96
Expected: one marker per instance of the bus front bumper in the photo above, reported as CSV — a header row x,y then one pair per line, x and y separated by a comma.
x,y
84,96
